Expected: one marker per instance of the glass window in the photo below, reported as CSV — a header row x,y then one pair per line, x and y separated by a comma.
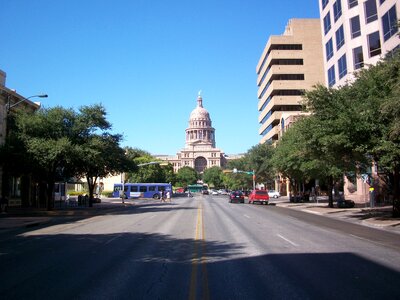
x,y
327,23
134,188
355,27
353,3
324,3
142,189
339,37
152,188
389,23
370,11
329,49
358,58
374,44
381,1
331,76
337,9
342,66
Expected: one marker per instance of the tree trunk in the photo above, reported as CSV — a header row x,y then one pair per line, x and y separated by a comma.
x,y
396,192
91,184
50,195
330,196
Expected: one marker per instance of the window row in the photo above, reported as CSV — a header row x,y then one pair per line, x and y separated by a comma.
x,y
288,61
358,62
389,25
279,47
371,13
339,43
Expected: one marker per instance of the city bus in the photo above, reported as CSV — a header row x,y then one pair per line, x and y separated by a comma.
x,y
141,190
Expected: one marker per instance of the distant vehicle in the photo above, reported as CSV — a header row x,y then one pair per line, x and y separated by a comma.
x,y
141,190
214,192
205,192
273,194
258,196
222,192
236,196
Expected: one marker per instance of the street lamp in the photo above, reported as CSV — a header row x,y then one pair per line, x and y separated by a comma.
x,y
153,163
9,105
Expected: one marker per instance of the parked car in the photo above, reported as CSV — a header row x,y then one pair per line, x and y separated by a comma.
x,y
258,196
205,192
273,194
236,196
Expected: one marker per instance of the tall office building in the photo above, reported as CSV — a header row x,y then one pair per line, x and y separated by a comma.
x,y
356,33
290,64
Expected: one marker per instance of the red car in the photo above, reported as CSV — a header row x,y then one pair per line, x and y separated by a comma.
x,y
259,196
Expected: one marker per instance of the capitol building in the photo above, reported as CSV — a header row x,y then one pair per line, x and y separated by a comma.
x,y
199,152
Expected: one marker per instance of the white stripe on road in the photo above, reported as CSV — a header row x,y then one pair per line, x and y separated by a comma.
x,y
366,240
247,216
287,240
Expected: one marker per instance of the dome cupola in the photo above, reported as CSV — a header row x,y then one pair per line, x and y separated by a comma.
x,y
200,130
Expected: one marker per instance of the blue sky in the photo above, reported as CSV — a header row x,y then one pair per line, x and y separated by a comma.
x,y
145,61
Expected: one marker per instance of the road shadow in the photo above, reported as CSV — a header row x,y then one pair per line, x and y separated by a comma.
x,y
159,266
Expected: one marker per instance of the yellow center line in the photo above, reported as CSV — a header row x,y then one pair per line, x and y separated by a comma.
x,y
198,257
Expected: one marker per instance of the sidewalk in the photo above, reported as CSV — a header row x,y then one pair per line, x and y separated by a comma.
x,y
17,217
378,217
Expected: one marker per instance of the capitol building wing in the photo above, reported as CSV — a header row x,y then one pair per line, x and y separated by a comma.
x,y
199,152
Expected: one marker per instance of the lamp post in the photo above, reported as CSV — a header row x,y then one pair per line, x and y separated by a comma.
x,y
9,105
9,95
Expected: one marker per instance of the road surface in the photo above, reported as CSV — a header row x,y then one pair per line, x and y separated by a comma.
x,y
200,248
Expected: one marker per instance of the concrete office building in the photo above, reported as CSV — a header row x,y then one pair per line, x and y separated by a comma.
x,y
290,64
356,34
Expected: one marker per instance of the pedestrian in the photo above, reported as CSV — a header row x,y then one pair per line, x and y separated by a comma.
x,y
4,202
122,196
168,196
162,196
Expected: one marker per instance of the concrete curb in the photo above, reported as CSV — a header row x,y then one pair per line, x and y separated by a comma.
x,y
338,213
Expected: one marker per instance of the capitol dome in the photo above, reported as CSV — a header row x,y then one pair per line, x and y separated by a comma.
x,y
200,113
200,130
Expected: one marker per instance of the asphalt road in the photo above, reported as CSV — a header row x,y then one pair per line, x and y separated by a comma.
x,y
200,248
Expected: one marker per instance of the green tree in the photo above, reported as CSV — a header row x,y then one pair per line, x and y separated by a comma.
x,y
61,142
259,160
237,181
169,174
377,91
157,172
213,176
186,176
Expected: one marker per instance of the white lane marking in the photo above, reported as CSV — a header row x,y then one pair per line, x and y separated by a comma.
x,y
366,240
248,217
287,240
113,238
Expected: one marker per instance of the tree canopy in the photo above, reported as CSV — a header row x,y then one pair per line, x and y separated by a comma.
x,y
61,142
